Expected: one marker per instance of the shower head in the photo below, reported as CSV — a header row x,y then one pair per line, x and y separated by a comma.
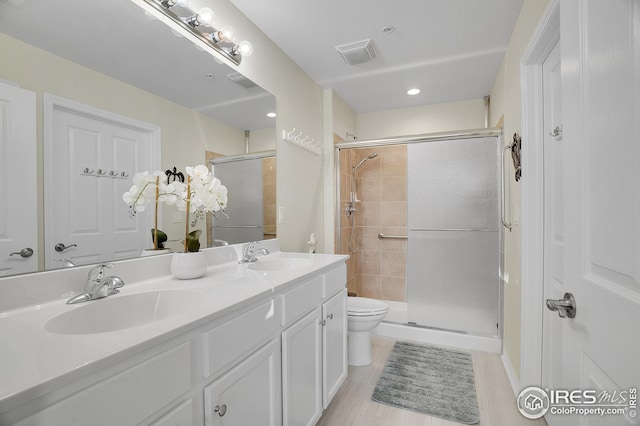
x,y
374,155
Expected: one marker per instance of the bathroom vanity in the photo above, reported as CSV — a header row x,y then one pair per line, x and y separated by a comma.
x,y
247,344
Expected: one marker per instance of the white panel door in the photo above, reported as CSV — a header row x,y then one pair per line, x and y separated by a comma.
x,y
90,159
554,288
18,191
601,111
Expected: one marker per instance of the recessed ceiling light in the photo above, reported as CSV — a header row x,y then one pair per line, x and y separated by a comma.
x,y
271,114
413,92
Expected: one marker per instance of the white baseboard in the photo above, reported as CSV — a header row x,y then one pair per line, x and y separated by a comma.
x,y
440,337
511,375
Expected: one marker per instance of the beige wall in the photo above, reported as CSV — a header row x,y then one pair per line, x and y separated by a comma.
x,y
269,197
344,119
506,101
425,119
262,139
299,104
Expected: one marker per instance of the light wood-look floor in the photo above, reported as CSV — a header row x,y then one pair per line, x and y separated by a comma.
x,y
352,405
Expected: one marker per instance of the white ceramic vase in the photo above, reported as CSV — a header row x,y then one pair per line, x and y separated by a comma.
x,y
186,266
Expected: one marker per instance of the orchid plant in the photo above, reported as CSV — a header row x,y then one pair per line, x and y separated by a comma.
x,y
151,187
202,194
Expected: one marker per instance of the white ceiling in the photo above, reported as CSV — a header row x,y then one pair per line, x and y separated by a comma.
x,y
450,49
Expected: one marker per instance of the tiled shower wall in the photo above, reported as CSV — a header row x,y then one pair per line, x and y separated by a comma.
x,y
269,196
378,267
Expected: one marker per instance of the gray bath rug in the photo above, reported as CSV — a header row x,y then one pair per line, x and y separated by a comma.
x,y
434,381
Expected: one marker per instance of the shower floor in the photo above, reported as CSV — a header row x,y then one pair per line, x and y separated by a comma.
x,y
396,325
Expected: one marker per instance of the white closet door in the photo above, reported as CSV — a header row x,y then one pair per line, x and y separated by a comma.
x,y
90,160
18,192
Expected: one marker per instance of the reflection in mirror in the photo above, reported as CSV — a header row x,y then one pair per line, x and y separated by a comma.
x,y
133,66
251,181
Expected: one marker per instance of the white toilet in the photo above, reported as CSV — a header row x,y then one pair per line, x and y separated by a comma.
x,y
363,315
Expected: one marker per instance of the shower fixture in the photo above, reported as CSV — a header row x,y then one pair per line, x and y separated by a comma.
x,y
364,159
351,209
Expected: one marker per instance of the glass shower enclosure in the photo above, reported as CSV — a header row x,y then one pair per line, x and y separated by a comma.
x,y
453,232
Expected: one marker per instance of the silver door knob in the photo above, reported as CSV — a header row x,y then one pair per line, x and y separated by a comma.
x,y
25,252
220,409
60,247
566,306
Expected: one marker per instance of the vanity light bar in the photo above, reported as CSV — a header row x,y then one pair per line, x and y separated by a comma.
x,y
233,53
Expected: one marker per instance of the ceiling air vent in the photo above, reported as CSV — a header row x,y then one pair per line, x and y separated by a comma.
x,y
358,52
240,79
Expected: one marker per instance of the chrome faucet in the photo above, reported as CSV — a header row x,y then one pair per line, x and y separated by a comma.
x,y
97,285
66,263
250,253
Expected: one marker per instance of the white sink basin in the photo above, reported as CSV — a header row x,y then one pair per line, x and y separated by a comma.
x,y
124,311
280,264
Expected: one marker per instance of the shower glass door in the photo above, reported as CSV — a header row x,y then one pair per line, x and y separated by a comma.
x,y
453,229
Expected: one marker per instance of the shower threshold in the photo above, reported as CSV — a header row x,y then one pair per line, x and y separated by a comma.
x,y
396,325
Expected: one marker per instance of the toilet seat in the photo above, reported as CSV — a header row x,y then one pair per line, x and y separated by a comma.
x,y
362,307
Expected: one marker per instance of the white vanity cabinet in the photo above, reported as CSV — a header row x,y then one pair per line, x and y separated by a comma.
x,y
274,358
314,347
127,396
334,345
246,351
248,394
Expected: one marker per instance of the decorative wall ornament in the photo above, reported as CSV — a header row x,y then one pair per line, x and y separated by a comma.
x,y
174,175
516,146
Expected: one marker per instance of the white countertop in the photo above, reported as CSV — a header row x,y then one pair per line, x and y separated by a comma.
x,y
34,361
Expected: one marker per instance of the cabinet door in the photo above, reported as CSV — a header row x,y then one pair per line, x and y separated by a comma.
x,y
302,371
334,337
249,394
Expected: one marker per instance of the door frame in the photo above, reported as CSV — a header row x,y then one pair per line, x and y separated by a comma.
x,y
52,103
545,37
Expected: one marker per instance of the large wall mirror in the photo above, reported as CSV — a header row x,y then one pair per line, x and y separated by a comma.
x,y
113,57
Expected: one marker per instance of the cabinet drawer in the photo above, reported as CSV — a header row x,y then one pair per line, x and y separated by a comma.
x,y
335,280
126,398
301,299
226,343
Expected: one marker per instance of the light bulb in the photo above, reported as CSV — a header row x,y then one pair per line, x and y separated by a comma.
x,y
245,48
205,16
228,34
413,92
